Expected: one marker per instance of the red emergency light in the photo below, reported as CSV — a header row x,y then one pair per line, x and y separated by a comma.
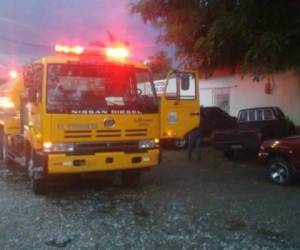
x,y
117,53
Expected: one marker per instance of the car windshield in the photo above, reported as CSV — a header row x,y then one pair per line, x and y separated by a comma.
x,y
99,89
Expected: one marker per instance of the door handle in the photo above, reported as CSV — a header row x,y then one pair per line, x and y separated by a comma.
x,y
195,113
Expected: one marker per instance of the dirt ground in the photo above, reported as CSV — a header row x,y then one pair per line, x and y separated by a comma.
x,y
212,204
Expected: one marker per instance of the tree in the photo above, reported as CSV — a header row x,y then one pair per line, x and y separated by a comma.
x,y
258,36
160,64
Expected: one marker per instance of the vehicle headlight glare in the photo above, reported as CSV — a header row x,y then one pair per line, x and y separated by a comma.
x,y
148,144
58,147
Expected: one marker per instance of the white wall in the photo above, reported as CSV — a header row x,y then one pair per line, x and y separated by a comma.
x,y
244,93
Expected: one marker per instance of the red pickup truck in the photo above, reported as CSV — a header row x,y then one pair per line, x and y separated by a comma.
x,y
253,126
282,158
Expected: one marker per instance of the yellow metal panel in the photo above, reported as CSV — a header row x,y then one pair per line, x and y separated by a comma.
x,y
91,127
63,164
179,116
12,126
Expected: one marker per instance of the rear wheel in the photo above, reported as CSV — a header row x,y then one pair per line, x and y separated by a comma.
x,y
280,171
131,178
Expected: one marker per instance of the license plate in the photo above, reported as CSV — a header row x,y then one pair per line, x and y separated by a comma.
x,y
236,146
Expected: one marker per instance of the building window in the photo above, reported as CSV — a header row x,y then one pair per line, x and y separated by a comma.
x,y
221,98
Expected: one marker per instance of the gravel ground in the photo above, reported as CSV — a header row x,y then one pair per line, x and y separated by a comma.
x,y
212,204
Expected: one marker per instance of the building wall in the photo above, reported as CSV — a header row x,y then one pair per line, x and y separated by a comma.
x,y
244,93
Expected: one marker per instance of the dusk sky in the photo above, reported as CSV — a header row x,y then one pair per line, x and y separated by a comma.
x,y
50,22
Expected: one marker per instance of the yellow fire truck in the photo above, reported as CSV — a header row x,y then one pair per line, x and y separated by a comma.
x,y
92,109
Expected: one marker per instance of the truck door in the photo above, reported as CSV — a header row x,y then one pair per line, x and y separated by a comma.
x,y
179,105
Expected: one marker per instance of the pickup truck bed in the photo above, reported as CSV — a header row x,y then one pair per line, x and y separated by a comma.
x,y
237,139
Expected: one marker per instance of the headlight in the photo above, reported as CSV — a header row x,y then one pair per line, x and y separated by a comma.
x,y
6,103
149,143
58,147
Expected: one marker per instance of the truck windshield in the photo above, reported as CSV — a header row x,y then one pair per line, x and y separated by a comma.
x,y
99,89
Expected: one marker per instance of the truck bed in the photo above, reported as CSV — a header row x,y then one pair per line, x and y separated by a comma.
x,y
236,139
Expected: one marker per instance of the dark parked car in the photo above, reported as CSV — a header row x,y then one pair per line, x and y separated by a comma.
x,y
212,118
282,158
253,126
271,122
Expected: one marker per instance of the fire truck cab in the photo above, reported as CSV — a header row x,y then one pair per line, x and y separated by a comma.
x,y
83,112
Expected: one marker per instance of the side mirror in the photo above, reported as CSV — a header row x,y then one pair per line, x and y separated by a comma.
x,y
32,95
28,78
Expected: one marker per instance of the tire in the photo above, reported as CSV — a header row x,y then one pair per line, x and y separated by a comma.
x,y
1,144
131,178
3,150
280,171
181,143
39,185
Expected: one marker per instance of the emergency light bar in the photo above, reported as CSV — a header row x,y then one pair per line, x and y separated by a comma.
x,y
77,50
113,53
117,53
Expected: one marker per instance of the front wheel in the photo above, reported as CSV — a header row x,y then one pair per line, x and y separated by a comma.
x,y
39,183
1,144
3,150
131,178
280,171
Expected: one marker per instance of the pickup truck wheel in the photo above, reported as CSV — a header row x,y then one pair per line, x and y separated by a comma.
x,y
131,178
280,171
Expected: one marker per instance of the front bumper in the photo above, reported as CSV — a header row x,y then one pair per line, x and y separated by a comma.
x,y
104,161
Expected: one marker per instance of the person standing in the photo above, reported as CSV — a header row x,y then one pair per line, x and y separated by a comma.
x,y
195,143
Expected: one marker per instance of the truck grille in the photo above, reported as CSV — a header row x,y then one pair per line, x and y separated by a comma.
x,y
106,147
108,133
77,133
135,132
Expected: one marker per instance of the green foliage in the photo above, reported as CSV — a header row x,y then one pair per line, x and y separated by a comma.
x,y
160,64
258,36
